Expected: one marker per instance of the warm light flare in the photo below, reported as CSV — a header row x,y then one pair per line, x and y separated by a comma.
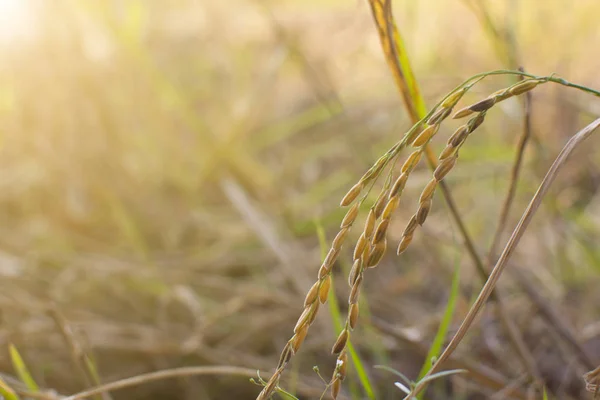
x,y
16,21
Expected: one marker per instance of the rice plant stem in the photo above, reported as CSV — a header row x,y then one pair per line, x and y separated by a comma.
x,y
489,286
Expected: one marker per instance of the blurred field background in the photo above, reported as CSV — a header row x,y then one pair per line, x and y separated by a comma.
x,y
165,167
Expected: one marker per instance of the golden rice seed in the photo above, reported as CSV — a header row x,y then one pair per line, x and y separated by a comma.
x,y
374,170
459,139
339,238
411,226
378,166
341,365
483,105
303,318
381,230
324,289
361,244
464,112
352,194
353,315
285,356
313,314
411,161
458,133
428,191
331,257
476,121
426,135
398,186
423,211
410,136
404,243
390,207
298,338
447,152
324,270
454,98
350,216
312,294
340,343
501,94
336,385
355,291
328,263
377,253
354,272
370,223
438,116
524,86
381,203
444,167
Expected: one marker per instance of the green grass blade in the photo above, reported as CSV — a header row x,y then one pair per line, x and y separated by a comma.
x,y
6,392
21,369
397,58
286,395
438,341
337,318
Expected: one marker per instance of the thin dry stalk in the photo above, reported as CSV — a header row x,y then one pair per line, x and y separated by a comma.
x,y
78,356
160,375
509,249
38,395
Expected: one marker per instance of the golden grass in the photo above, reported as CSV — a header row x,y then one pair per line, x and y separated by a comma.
x,y
163,164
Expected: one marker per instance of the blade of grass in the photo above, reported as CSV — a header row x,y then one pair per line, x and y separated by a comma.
x,y
21,369
397,58
337,318
440,336
286,395
6,392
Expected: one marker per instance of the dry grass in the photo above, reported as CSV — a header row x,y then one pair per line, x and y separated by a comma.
x,y
164,165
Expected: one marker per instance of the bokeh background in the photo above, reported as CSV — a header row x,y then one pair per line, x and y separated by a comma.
x,y
165,167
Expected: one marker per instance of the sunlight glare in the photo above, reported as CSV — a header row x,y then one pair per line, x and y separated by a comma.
x,y
16,20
